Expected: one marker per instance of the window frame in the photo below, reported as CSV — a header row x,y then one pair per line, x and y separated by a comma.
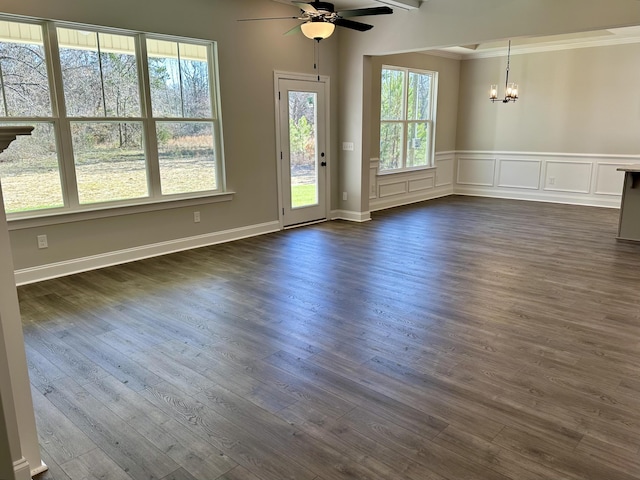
x,y
405,122
63,137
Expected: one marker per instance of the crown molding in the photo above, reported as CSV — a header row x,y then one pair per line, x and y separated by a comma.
x,y
538,48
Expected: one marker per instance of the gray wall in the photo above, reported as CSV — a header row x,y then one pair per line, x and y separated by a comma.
x,y
584,100
248,55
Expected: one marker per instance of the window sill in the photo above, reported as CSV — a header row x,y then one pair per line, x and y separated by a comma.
x,y
95,211
405,171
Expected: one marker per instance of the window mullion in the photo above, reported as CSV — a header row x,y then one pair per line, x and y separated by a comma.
x,y
4,95
181,83
62,124
149,124
405,122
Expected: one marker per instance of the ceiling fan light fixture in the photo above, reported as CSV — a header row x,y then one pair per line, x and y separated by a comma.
x,y
317,29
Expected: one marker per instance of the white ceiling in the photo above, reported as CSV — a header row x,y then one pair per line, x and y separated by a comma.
x,y
519,45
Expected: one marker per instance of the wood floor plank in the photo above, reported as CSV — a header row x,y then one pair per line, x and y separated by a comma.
x,y
262,394
194,454
54,470
432,405
129,372
57,434
235,442
566,461
441,460
95,464
493,456
239,473
361,448
60,354
316,454
115,438
180,474
498,408
398,412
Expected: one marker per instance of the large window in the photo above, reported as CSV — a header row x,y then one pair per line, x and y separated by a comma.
x,y
120,118
407,118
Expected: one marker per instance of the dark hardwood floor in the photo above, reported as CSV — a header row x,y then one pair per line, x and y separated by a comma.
x,y
460,339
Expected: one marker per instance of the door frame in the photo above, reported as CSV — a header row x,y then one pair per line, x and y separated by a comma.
x,y
324,79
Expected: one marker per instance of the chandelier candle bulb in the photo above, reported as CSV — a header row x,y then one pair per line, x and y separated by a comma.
x,y
493,94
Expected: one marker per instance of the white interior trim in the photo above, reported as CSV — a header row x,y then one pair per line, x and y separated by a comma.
x,y
53,270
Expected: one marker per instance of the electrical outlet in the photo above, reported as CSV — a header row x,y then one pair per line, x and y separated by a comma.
x,y
344,195
552,180
42,241
196,217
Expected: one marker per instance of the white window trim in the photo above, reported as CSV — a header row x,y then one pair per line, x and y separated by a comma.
x,y
432,121
73,210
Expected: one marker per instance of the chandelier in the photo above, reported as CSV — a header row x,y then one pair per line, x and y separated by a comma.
x,y
510,89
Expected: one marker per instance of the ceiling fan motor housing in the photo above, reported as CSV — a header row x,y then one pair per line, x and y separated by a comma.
x,y
323,7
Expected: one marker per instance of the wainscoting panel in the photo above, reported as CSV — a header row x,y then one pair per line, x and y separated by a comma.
x,y
608,180
568,176
445,166
388,190
419,184
519,173
392,188
478,171
584,179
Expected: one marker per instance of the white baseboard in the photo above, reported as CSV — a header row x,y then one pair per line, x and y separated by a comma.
x,y
77,265
41,469
21,469
590,201
350,215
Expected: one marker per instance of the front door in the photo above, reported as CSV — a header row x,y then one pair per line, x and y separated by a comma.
x,y
303,159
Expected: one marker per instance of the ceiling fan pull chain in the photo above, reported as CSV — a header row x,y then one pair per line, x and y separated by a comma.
x,y
316,57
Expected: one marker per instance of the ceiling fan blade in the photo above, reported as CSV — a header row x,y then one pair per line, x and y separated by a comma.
x,y
305,7
361,27
294,30
267,18
362,12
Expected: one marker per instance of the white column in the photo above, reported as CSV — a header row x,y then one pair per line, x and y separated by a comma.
x,y
18,436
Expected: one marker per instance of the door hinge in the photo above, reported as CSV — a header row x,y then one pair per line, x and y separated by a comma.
x,y
283,211
280,155
279,97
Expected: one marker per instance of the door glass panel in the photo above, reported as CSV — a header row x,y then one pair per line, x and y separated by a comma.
x,y
303,148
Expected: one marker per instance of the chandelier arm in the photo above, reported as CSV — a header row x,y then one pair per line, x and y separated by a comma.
x,y
506,83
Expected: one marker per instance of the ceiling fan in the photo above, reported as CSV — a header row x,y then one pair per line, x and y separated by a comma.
x,y
320,19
